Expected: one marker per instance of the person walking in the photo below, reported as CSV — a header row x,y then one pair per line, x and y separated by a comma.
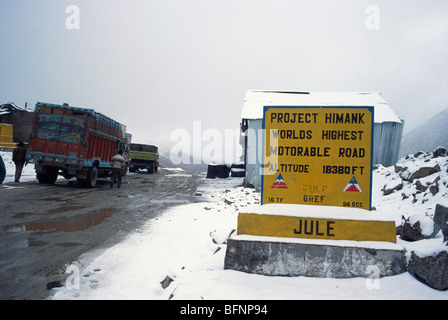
x,y
19,157
117,163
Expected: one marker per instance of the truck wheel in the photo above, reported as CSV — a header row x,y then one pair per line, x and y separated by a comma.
x,y
92,177
49,176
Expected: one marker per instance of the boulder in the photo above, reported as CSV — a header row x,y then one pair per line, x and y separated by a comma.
x,y
434,187
54,284
439,152
420,187
441,219
423,172
431,270
418,227
398,168
391,186
419,153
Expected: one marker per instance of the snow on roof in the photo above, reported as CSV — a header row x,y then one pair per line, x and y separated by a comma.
x,y
10,106
254,101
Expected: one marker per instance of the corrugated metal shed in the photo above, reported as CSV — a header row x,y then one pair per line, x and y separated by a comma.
x,y
388,127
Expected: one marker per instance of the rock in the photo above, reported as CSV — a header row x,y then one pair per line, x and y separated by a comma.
x,y
53,284
439,152
166,282
420,187
423,172
418,227
410,232
393,185
399,168
434,188
431,270
221,236
441,219
419,153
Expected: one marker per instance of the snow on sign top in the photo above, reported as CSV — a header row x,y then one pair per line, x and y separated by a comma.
x,y
254,101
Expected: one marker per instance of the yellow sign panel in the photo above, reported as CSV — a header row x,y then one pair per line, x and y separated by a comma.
x,y
318,156
142,155
315,228
6,136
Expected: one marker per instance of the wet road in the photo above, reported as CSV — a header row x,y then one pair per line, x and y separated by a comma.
x,y
43,228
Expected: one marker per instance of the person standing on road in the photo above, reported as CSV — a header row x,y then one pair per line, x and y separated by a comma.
x,y
117,163
19,157
2,170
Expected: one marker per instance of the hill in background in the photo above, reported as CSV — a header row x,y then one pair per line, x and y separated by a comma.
x,y
165,162
427,137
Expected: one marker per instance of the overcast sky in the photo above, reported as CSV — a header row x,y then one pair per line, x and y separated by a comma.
x,y
159,65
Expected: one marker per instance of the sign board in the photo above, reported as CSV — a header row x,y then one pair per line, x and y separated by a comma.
x,y
316,228
318,156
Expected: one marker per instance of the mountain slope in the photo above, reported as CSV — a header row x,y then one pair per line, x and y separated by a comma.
x,y
430,135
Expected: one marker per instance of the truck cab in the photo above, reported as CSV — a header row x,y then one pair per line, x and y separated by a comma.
x,y
143,157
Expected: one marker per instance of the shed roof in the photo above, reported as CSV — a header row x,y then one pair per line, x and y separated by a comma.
x,y
255,100
11,106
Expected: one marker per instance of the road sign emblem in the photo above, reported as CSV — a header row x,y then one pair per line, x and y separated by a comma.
x,y
279,183
353,186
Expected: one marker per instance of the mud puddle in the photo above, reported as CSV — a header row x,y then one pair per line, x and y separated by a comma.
x,y
66,224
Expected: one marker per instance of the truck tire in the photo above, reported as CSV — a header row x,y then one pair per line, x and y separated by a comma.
x,y
92,177
49,176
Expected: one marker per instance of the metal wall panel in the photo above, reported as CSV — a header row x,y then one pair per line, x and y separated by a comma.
x,y
386,142
254,152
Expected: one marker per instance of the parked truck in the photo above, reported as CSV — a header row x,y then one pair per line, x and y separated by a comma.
x,y
74,142
143,156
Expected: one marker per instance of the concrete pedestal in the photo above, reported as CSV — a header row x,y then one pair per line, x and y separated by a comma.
x,y
313,258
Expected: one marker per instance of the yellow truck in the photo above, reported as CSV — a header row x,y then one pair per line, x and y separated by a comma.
x,y
143,156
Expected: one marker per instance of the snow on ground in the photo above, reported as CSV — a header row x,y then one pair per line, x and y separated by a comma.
x,y
28,173
187,244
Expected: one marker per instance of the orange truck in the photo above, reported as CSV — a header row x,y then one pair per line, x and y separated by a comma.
x,y
74,142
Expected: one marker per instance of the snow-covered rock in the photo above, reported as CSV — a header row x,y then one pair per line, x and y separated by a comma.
x,y
441,219
431,270
417,227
